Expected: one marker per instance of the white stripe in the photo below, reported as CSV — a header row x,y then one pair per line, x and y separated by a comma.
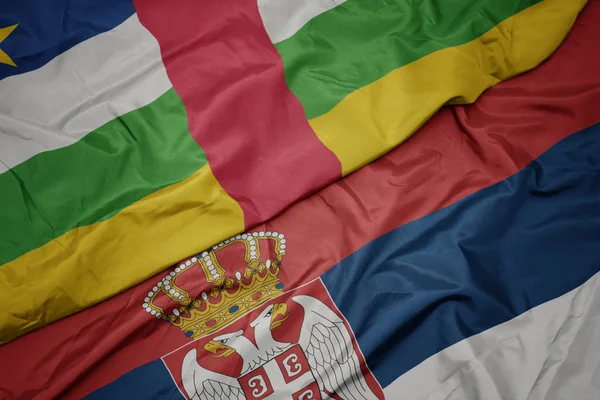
x,y
550,352
283,18
80,90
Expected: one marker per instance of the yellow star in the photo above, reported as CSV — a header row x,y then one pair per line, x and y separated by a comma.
x,y
4,32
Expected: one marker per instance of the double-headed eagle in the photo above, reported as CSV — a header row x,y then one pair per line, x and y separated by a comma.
x,y
324,339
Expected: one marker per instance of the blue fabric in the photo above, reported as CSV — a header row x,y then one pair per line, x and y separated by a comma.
x,y
148,382
477,263
48,28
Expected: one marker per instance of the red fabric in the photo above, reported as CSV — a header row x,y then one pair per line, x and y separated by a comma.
x,y
461,150
230,77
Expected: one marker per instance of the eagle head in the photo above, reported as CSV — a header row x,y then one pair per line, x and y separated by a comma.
x,y
273,315
224,345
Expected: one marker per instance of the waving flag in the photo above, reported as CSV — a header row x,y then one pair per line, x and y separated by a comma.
x,y
135,133
461,265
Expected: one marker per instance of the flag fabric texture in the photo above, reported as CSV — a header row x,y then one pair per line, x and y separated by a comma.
x,y
463,264
135,133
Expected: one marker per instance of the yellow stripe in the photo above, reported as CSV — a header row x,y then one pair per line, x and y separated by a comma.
x,y
376,118
92,263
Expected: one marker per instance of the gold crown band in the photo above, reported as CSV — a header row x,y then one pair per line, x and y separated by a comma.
x,y
230,297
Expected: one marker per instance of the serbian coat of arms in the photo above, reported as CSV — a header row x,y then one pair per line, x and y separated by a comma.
x,y
250,338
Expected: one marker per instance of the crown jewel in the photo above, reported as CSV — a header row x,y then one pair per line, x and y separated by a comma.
x,y
226,298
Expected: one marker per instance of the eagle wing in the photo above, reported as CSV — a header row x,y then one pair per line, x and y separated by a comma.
x,y
202,384
330,353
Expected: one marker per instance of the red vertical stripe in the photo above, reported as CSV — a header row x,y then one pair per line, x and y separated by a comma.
x,y
240,110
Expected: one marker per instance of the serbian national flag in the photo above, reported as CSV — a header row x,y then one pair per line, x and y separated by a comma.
x,y
463,264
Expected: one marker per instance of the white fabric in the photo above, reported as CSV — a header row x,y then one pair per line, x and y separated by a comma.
x,y
283,18
551,352
80,90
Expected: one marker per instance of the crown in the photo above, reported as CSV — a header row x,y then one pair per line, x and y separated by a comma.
x,y
226,297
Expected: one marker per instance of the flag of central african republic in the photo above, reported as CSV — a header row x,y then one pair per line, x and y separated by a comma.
x,y
135,133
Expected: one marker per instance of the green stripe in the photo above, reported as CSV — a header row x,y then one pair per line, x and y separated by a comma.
x,y
360,41
96,177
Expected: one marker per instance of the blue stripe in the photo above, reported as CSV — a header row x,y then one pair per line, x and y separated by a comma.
x,y
148,382
475,264
48,28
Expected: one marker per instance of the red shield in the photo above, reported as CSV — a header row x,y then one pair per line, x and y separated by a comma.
x,y
287,376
